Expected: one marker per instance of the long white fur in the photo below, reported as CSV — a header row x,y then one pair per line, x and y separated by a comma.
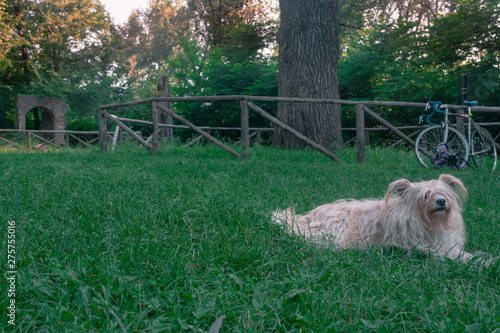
x,y
411,216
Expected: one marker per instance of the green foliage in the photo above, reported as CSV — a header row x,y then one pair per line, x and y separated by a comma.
x,y
82,124
470,33
7,39
150,37
221,73
216,21
72,34
133,242
4,122
410,60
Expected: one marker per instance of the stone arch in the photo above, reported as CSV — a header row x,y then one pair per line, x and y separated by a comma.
x,y
53,116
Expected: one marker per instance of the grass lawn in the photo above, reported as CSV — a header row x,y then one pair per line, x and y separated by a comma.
x,y
130,242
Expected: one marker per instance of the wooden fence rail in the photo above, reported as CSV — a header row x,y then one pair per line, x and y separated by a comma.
x,y
295,133
246,104
25,138
197,130
287,99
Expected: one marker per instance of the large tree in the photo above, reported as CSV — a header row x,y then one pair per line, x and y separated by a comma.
x,y
308,42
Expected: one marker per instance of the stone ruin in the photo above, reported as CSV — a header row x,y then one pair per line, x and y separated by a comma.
x,y
53,116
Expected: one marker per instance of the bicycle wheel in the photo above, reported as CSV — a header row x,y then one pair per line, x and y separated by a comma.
x,y
483,151
430,137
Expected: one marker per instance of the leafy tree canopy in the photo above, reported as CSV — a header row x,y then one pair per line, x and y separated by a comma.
x,y
420,59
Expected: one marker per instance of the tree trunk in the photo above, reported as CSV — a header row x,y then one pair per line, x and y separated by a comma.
x,y
308,67
25,57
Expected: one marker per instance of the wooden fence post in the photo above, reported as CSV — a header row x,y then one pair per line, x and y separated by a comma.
x,y
103,132
360,133
245,139
156,128
164,88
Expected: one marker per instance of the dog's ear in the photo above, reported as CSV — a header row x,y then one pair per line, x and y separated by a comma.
x,y
400,186
456,184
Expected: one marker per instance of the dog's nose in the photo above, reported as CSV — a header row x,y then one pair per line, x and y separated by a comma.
x,y
441,202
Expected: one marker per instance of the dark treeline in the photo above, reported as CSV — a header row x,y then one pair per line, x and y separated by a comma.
x,y
405,50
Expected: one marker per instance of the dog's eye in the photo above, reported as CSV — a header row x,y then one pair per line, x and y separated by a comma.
x,y
426,196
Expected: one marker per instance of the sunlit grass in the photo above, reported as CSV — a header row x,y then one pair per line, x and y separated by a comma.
x,y
139,243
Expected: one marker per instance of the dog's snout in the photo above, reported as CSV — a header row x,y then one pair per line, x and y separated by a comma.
x,y
441,202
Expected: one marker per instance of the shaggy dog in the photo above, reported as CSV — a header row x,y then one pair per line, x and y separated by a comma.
x,y
425,215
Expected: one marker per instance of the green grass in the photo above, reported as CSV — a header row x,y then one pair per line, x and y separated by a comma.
x,y
132,242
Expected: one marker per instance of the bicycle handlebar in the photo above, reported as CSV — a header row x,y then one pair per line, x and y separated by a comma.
x,y
435,106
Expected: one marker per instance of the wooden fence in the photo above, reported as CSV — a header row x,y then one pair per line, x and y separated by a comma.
x,y
40,139
158,107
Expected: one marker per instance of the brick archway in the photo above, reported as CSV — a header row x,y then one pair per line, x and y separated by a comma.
x,y
53,117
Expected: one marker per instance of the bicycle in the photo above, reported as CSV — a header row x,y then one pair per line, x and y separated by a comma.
x,y
477,149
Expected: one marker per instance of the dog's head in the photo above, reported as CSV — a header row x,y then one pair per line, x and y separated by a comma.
x,y
432,201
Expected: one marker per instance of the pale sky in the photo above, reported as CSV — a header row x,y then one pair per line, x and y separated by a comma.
x,y
121,9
